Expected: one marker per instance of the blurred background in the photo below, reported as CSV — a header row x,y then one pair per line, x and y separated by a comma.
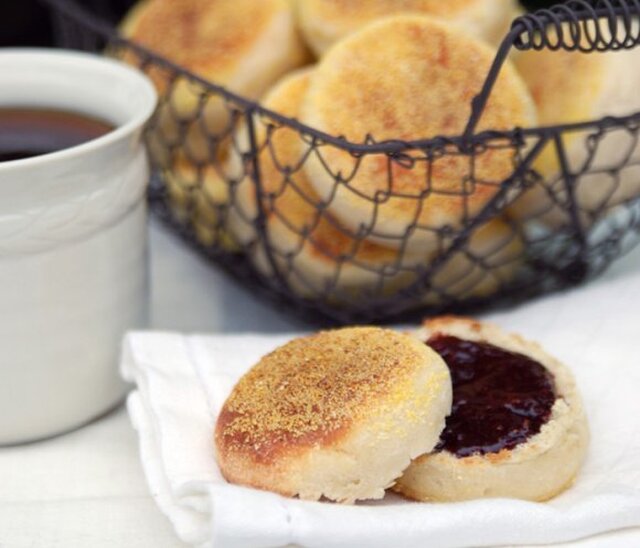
x,y
27,22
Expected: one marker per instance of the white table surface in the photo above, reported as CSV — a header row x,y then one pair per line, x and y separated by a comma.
x,y
86,489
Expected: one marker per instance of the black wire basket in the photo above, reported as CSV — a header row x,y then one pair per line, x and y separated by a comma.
x,y
319,266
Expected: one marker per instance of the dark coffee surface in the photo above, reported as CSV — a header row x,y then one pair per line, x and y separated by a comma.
x,y
27,132
500,398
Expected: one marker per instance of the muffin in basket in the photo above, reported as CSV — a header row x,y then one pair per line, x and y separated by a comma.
x,y
242,45
325,22
407,78
572,87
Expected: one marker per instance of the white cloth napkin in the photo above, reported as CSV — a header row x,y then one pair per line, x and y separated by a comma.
x,y
182,381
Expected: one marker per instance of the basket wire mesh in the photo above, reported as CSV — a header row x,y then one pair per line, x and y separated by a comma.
x,y
224,188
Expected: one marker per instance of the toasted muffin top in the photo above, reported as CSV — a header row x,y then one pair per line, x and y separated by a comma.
x,y
208,37
410,77
564,84
313,389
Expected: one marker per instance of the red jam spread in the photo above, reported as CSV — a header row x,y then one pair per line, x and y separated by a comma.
x,y
500,398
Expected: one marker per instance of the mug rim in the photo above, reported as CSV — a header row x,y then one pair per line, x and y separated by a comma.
x,y
138,81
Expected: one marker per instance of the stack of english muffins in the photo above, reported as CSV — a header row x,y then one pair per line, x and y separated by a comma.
x,y
335,225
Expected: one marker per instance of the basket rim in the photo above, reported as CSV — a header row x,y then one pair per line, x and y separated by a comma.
x,y
468,141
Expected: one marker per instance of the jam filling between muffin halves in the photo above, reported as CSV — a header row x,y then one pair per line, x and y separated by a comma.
x,y
500,398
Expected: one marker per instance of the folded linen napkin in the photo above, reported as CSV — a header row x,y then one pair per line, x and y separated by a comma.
x,y
182,381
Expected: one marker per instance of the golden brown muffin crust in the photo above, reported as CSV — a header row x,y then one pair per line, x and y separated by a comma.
x,y
440,73
426,95
205,36
378,8
557,97
326,21
311,390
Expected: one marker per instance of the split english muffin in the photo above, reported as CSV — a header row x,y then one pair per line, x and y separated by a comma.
x,y
324,22
359,89
517,427
339,414
571,87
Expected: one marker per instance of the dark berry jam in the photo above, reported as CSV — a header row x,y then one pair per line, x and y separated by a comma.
x,y
500,398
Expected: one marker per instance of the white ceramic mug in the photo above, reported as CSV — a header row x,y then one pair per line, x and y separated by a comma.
x,y
73,256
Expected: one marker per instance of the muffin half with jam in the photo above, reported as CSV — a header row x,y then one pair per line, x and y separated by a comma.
x,y
517,426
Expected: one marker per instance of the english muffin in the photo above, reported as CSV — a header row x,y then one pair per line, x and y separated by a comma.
x,y
409,77
324,22
339,414
570,87
517,426
313,248
241,45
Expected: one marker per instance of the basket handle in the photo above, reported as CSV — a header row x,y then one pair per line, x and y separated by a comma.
x,y
575,25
